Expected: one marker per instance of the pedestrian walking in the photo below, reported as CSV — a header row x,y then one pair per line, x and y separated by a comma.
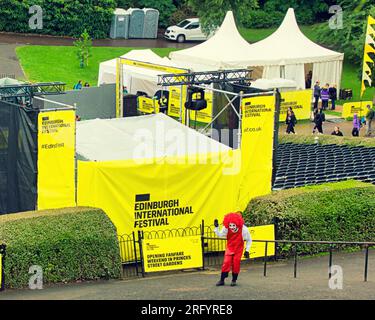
x,y
78,85
370,116
319,118
324,95
317,90
290,121
356,126
333,96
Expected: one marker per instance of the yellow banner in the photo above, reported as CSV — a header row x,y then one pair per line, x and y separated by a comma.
x,y
257,249
172,253
299,101
349,108
257,147
56,154
369,49
176,101
148,105
147,65
159,195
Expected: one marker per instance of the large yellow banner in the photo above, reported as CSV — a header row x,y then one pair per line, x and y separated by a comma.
x,y
162,194
148,105
358,107
56,156
257,127
299,101
172,253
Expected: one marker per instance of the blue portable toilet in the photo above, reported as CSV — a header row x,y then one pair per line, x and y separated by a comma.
x,y
136,23
151,23
120,24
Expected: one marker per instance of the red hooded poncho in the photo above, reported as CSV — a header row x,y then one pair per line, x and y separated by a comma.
x,y
234,239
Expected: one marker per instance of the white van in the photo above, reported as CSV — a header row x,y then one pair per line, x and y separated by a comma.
x,y
188,29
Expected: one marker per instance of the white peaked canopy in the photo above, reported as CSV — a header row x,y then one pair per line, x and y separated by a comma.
x,y
143,137
285,53
226,49
107,69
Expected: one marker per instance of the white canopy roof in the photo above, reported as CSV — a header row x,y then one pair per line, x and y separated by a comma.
x,y
288,45
265,84
225,49
107,69
142,137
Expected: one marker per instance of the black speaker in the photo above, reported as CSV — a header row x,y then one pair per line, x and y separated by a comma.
x,y
197,103
130,105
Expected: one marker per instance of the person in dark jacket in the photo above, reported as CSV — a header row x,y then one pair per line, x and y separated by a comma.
x,y
324,95
336,132
319,118
316,94
290,121
333,96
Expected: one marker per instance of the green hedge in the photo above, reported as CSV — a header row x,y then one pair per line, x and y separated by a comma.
x,y
342,211
69,244
327,139
60,17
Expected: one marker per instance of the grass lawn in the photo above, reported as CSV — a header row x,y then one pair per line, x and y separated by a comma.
x,y
56,63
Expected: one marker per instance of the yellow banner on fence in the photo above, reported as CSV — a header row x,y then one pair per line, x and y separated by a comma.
x,y
258,115
172,253
299,101
258,249
148,105
350,108
56,156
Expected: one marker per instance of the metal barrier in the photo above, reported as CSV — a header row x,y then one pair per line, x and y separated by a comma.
x,y
213,248
295,244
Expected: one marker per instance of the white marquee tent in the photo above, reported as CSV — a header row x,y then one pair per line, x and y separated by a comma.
x,y
283,54
142,137
135,78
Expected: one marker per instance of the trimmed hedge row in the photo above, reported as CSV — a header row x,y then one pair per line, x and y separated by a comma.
x,y
327,139
60,17
342,211
69,244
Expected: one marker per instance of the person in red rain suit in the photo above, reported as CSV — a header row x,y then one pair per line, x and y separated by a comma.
x,y
236,232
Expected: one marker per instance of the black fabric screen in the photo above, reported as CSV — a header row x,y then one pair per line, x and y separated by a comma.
x,y
18,158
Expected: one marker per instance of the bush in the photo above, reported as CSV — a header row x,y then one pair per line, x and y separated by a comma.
x,y
60,17
343,211
69,244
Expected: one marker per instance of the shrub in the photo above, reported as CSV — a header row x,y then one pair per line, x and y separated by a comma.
x,y
69,244
262,19
343,211
60,17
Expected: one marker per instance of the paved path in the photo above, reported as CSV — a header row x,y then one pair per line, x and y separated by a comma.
x,y
9,64
311,283
19,38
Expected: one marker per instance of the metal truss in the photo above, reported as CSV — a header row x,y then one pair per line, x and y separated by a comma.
x,y
206,77
31,90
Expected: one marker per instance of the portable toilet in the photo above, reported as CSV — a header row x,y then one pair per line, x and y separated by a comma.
x,y
137,18
150,28
120,24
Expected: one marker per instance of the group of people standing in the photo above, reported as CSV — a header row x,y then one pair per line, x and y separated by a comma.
x,y
325,93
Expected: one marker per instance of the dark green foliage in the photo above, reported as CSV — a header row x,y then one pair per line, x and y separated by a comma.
x,y
69,244
60,17
262,19
343,211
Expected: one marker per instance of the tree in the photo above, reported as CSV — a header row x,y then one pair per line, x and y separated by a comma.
x,y
84,46
212,12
